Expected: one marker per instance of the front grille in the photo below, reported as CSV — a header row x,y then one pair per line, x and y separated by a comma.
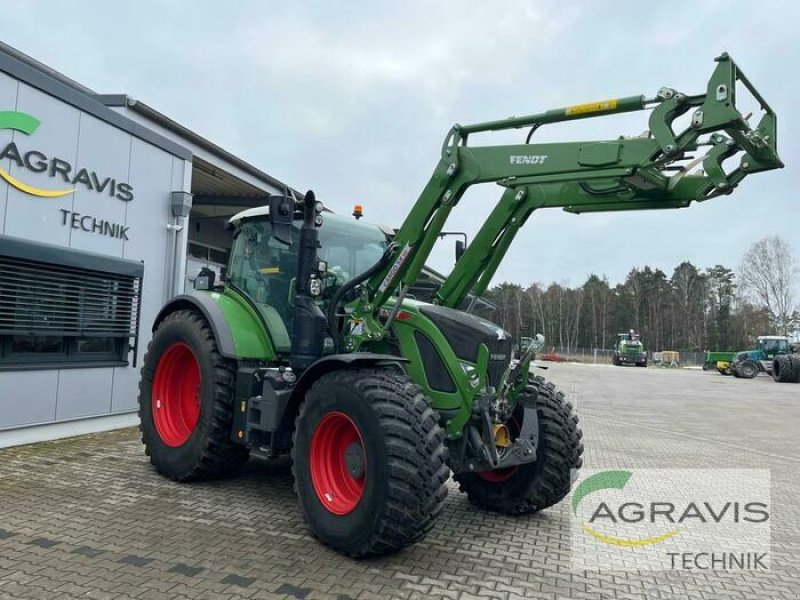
x,y
465,333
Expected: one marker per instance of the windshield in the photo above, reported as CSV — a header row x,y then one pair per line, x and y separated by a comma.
x,y
266,269
349,247
775,345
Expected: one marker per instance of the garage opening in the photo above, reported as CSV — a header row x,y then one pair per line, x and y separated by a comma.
x,y
217,196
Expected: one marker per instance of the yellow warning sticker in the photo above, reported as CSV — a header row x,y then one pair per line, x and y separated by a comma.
x,y
590,107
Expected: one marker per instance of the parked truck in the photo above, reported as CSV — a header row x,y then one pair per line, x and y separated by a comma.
x,y
311,346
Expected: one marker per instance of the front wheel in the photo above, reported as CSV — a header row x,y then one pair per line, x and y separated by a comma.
x,y
369,461
538,485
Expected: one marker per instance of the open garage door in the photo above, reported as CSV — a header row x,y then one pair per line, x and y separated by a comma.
x,y
218,195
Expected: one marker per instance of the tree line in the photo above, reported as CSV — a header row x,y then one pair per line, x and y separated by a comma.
x,y
691,309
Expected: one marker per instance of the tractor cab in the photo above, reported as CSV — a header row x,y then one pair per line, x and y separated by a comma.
x,y
772,345
264,262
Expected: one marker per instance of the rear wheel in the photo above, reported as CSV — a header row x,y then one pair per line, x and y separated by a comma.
x,y
794,359
538,485
783,369
748,369
186,401
369,461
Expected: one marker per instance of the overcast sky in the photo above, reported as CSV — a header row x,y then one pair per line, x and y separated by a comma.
x,y
353,100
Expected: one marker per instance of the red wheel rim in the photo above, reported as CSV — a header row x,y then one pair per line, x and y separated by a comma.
x,y
176,395
338,463
503,475
498,475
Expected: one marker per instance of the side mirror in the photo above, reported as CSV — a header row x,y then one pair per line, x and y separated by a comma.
x,y
281,215
460,248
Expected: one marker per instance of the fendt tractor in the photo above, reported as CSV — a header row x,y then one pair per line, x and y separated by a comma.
x,y
311,346
629,350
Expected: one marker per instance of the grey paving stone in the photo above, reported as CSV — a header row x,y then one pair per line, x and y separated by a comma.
x,y
89,517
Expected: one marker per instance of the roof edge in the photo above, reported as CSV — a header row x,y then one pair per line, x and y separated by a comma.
x,y
34,73
184,132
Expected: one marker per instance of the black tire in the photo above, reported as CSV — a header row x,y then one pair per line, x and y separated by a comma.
x,y
782,369
546,481
642,364
405,458
208,452
794,360
748,369
786,369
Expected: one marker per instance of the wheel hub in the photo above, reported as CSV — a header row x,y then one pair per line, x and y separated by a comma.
x,y
354,460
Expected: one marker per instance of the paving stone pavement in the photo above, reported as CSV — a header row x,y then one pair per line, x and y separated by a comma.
x,y
89,518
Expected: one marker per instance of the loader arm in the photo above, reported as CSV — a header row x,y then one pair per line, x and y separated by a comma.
x,y
651,172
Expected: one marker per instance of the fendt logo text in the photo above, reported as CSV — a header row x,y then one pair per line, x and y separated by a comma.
x,y
36,161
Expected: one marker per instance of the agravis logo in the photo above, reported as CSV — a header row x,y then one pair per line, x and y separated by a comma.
x,y
26,124
604,481
38,162
668,519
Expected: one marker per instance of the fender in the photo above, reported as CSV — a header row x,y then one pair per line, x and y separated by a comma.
x,y
249,341
212,313
332,362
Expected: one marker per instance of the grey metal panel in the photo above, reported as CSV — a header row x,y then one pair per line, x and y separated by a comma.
x,y
29,216
37,78
105,150
125,391
83,393
151,174
8,101
27,397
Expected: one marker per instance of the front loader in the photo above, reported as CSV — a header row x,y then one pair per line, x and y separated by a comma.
x,y
311,345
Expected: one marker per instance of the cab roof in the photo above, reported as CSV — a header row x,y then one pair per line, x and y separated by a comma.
x,y
263,211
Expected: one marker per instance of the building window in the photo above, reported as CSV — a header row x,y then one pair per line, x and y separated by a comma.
x,y
66,308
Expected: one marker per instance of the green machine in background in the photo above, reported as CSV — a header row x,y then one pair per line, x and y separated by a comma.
x,y
629,350
749,363
312,346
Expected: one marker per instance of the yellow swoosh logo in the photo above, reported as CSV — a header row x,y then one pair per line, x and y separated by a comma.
x,y
29,189
615,541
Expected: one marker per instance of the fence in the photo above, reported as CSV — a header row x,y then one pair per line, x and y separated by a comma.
x,y
603,356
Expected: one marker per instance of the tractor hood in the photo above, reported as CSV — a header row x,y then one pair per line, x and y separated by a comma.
x,y
466,332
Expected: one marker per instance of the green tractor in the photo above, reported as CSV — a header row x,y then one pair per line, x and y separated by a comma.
x,y
749,363
629,350
311,346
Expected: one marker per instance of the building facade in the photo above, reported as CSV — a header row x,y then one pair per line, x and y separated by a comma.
x,y
107,209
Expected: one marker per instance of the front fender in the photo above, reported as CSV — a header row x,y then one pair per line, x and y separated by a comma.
x,y
332,362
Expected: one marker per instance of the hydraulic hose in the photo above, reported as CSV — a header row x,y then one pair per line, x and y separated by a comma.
x,y
336,300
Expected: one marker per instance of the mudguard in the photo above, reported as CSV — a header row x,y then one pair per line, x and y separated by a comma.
x,y
247,339
329,363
